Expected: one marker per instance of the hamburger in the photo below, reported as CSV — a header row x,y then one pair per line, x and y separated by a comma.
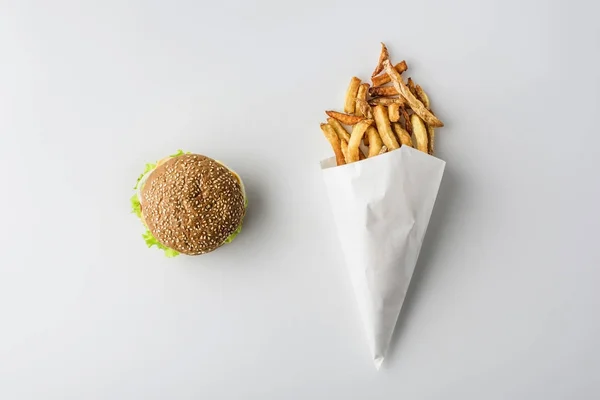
x,y
189,203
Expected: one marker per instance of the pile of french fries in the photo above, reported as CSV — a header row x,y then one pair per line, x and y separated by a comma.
x,y
384,115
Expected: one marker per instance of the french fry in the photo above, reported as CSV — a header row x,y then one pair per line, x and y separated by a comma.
x,y
406,118
350,101
365,108
366,111
374,140
361,96
430,130
386,101
383,127
421,95
384,55
331,136
384,78
383,91
419,133
344,146
411,86
346,119
412,101
431,135
403,136
355,139
341,132
394,112
383,150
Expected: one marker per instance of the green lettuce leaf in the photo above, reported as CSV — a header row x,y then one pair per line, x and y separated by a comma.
x,y
149,167
152,241
180,153
136,207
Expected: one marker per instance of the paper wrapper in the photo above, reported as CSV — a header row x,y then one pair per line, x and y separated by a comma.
x,y
381,207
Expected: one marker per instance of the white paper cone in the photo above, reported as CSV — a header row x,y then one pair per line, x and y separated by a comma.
x,y
382,207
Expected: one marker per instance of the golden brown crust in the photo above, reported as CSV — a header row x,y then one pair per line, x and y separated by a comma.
x,y
384,78
384,55
346,119
191,204
414,103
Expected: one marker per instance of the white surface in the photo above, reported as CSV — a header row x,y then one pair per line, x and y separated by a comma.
x,y
381,208
504,301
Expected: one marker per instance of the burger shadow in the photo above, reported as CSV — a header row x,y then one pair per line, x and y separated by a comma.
x,y
256,204
448,195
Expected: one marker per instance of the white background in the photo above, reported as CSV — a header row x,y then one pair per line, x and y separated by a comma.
x,y
504,301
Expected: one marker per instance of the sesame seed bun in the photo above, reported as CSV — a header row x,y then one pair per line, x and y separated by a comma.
x,y
192,203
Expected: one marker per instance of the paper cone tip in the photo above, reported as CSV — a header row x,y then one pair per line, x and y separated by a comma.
x,y
378,361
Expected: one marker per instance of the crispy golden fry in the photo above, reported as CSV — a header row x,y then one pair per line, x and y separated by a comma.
x,y
431,137
346,119
344,146
384,128
383,150
419,133
355,139
430,130
361,96
411,86
331,136
341,132
412,101
385,78
383,91
366,111
386,101
365,108
406,119
351,93
374,140
394,112
384,55
421,95
403,136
